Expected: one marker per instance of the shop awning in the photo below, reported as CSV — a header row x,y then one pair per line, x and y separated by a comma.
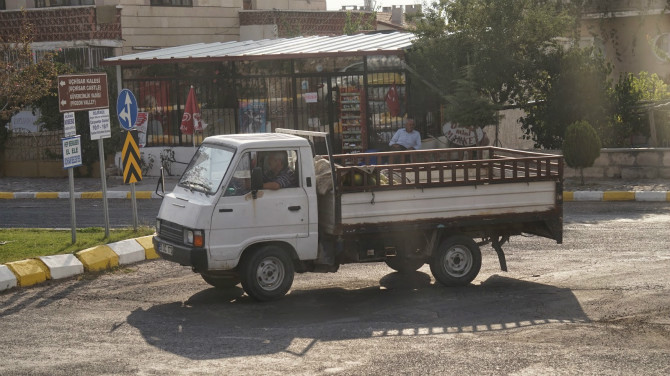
x,y
273,49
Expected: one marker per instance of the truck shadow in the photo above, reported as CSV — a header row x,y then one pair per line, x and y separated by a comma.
x,y
216,324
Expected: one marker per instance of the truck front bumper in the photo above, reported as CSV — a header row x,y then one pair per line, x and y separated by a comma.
x,y
181,254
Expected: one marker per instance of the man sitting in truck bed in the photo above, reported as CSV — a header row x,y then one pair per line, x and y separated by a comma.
x,y
278,174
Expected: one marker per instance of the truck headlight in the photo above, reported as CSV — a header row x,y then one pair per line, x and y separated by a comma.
x,y
158,226
194,238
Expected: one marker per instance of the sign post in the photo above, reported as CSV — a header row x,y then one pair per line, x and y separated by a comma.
x,y
71,159
126,110
132,172
99,124
80,92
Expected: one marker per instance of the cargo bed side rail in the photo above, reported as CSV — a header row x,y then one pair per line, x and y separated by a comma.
x,y
443,167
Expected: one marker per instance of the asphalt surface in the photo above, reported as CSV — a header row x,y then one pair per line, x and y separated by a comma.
x,y
598,304
113,183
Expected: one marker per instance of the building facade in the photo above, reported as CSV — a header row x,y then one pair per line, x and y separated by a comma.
x,y
121,27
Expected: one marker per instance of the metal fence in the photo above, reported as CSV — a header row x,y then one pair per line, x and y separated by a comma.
x,y
249,97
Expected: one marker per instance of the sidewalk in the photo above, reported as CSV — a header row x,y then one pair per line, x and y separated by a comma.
x,y
592,190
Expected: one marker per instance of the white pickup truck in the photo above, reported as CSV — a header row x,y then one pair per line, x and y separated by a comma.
x,y
403,208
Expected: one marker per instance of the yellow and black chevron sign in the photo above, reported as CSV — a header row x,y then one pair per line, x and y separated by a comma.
x,y
132,172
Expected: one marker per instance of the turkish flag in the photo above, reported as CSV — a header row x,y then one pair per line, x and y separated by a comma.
x,y
191,120
393,101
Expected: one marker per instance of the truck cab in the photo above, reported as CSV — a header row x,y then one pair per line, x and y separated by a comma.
x,y
219,215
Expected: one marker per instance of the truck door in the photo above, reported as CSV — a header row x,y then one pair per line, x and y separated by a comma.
x,y
239,219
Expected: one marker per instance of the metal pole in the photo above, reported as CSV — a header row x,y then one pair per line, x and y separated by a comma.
x,y
134,205
103,177
73,219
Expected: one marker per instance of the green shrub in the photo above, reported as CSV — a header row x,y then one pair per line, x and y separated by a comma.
x,y
581,146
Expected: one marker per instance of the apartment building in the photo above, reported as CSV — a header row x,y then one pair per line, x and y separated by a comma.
x,y
96,29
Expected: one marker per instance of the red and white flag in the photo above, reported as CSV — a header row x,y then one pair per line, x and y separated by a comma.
x,y
192,119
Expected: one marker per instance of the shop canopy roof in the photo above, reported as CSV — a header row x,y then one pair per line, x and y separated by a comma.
x,y
274,49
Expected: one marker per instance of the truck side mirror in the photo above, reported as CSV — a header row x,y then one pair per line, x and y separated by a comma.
x,y
161,184
256,180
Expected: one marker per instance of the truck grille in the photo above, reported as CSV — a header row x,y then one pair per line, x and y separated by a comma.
x,y
172,232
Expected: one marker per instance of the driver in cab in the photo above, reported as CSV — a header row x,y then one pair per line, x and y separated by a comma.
x,y
278,174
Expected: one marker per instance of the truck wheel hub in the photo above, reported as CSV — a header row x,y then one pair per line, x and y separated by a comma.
x,y
270,273
457,261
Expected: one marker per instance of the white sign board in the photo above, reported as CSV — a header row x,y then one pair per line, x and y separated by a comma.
x,y
70,127
100,124
310,97
71,152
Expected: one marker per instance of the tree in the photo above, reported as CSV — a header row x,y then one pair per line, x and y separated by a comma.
x,y
23,80
576,87
581,146
480,55
630,118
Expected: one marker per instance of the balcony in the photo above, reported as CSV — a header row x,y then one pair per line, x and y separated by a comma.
x,y
64,23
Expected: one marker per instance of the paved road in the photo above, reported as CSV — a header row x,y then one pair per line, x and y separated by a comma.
x,y
55,213
597,304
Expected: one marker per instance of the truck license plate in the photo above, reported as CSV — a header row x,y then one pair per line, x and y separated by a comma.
x,y
165,248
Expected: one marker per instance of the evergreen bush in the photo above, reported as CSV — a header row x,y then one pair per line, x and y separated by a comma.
x,y
581,146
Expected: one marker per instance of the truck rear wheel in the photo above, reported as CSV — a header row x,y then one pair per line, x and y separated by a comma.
x,y
267,273
457,261
404,265
221,282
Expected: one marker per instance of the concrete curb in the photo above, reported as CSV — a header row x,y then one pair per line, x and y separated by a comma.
x,y
616,196
79,195
99,258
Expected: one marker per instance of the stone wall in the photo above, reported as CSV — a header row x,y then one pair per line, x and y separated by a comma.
x,y
628,164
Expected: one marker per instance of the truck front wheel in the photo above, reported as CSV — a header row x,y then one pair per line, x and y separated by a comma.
x,y
267,273
457,261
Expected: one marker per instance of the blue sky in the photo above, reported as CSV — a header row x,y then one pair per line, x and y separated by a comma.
x,y
337,4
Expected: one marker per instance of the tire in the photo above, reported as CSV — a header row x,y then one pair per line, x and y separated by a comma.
x,y
404,265
267,273
457,261
221,282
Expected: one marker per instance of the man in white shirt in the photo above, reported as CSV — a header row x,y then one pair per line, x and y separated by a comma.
x,y
406,138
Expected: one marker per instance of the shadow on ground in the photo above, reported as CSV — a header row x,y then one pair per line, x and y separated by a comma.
x,y
215,324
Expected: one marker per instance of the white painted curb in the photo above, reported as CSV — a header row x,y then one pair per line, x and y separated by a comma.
x,y
129,251
63,266
7,278
24,194
588,196
651,196
117,194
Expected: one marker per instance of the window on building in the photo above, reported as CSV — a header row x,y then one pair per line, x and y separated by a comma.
x,y
62,3
172,3
2,5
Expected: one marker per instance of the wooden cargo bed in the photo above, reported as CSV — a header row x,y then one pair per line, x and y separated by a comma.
x,y
435,187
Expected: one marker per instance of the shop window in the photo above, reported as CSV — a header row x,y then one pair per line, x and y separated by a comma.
x,y
61,3
172,3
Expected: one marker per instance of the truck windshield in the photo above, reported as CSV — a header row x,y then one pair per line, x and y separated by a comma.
x,y
207,168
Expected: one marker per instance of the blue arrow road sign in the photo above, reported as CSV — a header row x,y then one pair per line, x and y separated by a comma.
x,y
126,109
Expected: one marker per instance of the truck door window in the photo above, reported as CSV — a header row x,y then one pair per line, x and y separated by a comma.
x,y
281,166
240,183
